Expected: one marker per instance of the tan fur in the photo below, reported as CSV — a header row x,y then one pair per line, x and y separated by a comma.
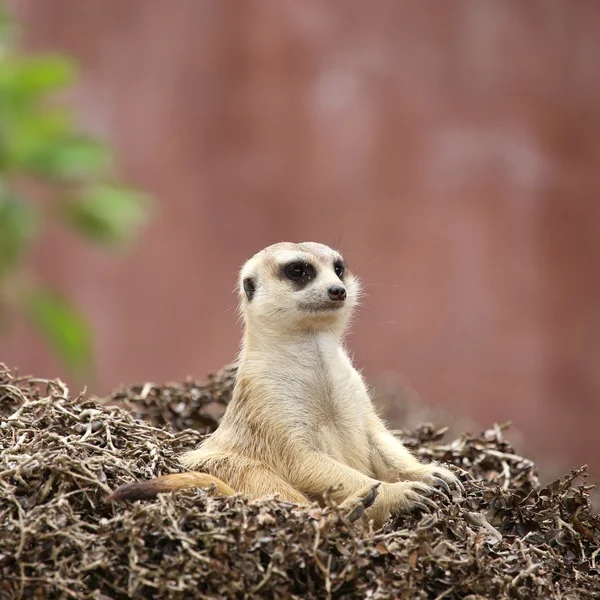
x,y
301,421
145,490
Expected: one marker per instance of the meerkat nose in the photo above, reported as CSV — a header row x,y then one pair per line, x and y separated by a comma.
x,y
337,292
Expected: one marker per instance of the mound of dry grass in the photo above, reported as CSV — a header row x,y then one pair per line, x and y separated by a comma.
x,y
60,456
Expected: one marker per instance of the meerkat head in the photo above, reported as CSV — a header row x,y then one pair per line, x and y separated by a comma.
x,y
296,287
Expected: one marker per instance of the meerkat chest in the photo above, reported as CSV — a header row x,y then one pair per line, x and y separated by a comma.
x,y
338,423
312,392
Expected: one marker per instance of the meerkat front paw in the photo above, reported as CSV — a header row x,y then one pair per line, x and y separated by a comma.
x,y
441,478
403,496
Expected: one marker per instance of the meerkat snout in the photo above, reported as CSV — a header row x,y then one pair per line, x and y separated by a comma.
x,y
337,293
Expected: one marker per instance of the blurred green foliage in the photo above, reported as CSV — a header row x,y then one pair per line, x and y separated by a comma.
x,y
50,170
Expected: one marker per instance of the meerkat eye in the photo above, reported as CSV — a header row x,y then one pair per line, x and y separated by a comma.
x,y
249,287
339,268
299,270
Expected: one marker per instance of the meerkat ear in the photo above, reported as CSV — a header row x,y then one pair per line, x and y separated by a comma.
x,y
249,284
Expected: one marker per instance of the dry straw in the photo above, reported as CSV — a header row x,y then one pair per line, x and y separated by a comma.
x,y
60,456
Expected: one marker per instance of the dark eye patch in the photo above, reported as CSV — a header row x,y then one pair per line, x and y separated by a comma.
x,y
300,273
339,267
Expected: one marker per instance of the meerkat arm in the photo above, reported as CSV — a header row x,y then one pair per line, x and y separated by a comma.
x,y
259,480
392,461
314,473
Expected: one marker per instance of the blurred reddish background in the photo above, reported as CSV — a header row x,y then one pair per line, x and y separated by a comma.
x,y
452,149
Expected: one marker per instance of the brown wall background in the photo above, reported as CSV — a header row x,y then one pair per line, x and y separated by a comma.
x,y
452,149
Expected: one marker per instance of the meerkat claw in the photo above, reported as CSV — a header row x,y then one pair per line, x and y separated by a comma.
x,y
356,513
445,477
457,483
422,507
371,496
461,488
358,510
420,497
441,494
430,503
440,483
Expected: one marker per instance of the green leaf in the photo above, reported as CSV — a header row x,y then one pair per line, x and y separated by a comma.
x,y
28,79
70,158
109,214
17,227
28,140
63,327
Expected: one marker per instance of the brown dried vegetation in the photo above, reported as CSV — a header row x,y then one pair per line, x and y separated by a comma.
x,y
61,456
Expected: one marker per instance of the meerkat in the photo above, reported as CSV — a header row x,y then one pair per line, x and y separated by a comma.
x,y
301,423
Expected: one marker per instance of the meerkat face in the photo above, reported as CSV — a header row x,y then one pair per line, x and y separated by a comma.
x,y
298,286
